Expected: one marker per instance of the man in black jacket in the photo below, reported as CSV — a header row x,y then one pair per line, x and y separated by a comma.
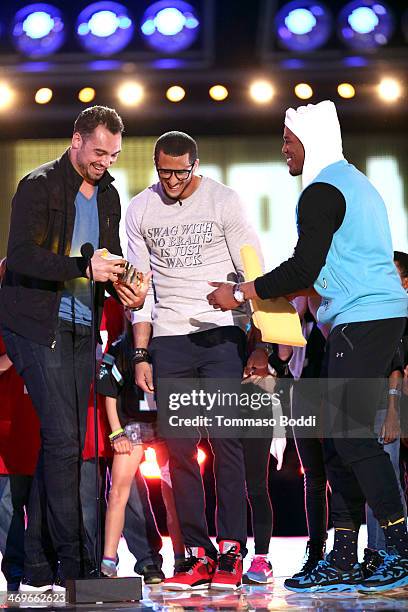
x,y
45,313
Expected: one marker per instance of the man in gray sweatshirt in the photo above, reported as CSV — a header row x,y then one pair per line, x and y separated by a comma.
x,y
186,229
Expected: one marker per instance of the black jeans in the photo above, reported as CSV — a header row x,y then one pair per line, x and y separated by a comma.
x,y
58,381
359,469
217,353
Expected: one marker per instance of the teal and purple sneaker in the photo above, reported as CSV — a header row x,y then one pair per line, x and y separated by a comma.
x,y
326,577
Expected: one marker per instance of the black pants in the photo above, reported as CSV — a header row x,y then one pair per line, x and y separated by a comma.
x,y
359,469
256,455
58,381
306,400
217,353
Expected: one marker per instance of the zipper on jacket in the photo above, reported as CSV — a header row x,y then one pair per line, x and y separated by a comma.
x,y
53,344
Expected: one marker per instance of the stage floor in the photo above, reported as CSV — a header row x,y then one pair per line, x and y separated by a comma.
x,y
286,555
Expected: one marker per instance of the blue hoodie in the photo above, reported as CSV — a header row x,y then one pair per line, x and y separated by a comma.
x,y
359,281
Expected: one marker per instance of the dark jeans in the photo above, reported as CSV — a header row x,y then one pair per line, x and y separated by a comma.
x,y
256,455
58,381
14,494
216,353
140,530
359,469
305,400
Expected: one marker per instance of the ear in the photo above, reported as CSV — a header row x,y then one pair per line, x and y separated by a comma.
x,y
76,141
196,165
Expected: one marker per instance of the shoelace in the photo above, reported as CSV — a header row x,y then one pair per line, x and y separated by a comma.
x,y
312,558
187,564
226,561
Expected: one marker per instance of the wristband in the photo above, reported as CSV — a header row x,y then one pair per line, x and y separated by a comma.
x,y
116,432
136,308
140,355
395,392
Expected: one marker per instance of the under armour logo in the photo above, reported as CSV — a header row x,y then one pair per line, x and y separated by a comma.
x,y
339,354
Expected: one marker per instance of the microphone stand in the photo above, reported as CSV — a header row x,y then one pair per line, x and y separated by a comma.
x,y
98,543
98,588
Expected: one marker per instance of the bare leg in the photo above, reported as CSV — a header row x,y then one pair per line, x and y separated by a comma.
x,y
123,471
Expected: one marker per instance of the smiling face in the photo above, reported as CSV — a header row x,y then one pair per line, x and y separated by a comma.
x,y
293,151
176,186
93,154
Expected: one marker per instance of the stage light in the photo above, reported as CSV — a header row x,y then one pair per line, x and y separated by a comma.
x,y
131,94
389,90
303,25
303,91
218,92
175,93
38,30
6,96
365,24
104,28
261,92
149,467
43,95
170,26
201,456
346,90
87,94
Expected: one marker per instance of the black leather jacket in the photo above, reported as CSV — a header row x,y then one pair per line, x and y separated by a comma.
x,y
38,261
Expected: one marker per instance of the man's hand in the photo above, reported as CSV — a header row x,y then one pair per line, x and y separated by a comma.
x,y
222,298
257,364
105,269
144,376
390,429
133,295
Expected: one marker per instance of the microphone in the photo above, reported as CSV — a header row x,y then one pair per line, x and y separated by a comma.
x,y
87,250
180,202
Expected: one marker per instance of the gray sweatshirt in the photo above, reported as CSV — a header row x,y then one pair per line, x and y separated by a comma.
x,y
186,244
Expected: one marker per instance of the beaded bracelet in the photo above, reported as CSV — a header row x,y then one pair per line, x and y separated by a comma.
x,y
116,432
118,436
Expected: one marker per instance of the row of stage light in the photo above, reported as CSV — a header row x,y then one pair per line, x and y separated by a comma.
x,y
171,26
260,92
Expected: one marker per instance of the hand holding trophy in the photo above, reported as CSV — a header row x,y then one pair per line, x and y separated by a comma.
x,y
131,285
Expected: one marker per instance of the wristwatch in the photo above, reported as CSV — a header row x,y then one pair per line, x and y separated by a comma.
x,y
266,346
238,293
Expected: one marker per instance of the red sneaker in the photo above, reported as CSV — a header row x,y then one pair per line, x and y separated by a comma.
x,y
228,574
194,573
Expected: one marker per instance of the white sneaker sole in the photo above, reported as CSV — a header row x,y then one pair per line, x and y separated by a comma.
x,y
221,586
176,586
29,588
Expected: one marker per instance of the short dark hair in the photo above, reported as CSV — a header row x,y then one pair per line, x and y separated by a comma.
x,y
89,119
401,259
176,144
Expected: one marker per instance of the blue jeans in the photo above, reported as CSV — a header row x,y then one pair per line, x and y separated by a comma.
x,y
376,539
58,381
140,531
14,493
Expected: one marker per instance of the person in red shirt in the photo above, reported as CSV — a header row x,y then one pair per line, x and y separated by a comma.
x,y
19,445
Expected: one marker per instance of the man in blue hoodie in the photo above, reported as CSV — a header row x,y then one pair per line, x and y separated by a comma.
x,y
344,254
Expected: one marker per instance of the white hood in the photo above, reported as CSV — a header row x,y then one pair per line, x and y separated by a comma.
x,y
317,127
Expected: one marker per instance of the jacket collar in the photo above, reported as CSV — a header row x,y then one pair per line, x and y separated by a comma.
x,y
75,179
